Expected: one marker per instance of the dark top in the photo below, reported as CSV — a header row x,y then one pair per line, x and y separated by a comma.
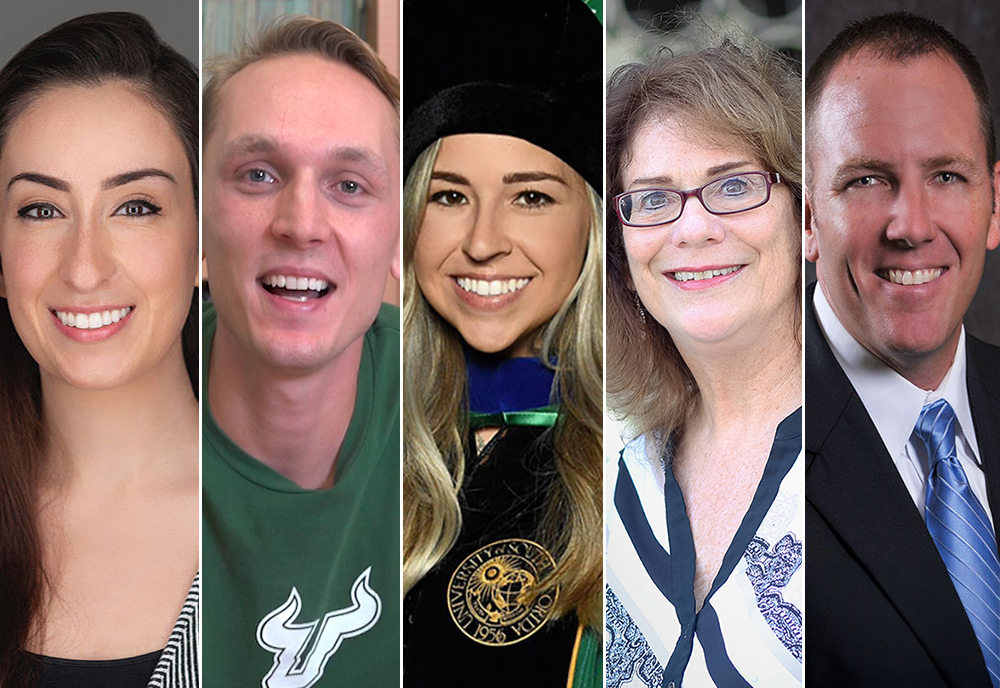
x,y
478,589
883,610
133,672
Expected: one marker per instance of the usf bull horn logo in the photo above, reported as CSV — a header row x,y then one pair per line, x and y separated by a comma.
x,y
278,633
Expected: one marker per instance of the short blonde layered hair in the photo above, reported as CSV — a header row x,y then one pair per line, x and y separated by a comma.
x,y
297,34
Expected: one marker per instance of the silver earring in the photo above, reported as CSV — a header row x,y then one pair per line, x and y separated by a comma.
x,y
638,305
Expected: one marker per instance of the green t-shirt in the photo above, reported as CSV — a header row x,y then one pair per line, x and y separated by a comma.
x,y
302,586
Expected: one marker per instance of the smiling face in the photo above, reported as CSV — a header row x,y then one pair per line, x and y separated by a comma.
x,y
900,207
709,278
98,235
301,209
502,240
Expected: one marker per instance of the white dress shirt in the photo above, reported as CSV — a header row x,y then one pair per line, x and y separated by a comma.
x,y
894,405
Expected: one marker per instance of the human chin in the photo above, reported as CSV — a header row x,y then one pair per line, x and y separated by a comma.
x,y
495,336
683,315
92,367
902,319
908,334
310,343
703,323
92,370
292,350
285,333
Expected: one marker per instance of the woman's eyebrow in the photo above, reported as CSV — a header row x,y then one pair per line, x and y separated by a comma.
x,y
109,183
449,177
534,176
37,178
726,167
135,175
666,180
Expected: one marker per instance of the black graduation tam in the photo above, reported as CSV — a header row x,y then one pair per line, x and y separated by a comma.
x,y
526,68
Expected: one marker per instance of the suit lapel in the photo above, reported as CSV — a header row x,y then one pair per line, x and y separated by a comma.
x,y
983,377
855,487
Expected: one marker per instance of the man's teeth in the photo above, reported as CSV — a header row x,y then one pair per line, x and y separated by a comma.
x,y
912,276
707,274
491,287
296,283
92,321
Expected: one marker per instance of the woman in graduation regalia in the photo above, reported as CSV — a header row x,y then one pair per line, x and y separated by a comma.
x,y
502,337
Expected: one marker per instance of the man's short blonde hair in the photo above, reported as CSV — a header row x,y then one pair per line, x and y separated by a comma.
x,y
296,34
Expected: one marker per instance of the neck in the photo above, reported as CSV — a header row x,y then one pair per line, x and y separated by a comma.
x,y
141,432
292,421
736,390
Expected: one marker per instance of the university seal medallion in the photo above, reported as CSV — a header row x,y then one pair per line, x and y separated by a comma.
x,y
493,595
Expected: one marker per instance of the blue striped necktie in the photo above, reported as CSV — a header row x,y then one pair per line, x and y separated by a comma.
x,y
962,532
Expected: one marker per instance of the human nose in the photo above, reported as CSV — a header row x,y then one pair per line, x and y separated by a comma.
x,y
299,216
487,237
695,226
89,256
911,223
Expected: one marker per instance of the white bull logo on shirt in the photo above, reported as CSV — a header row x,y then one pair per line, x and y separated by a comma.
x,y
277,633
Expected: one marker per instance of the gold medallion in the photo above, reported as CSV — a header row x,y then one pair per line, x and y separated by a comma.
x,y
492,595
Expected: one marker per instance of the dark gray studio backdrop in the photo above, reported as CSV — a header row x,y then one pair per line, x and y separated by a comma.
x,y
977,24
176,21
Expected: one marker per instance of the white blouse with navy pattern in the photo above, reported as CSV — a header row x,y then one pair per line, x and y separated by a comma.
x,y
749,630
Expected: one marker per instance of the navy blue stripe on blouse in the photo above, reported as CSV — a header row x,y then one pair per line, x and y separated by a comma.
x,y
654,558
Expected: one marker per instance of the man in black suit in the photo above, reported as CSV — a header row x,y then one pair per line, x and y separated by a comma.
x,y
900,208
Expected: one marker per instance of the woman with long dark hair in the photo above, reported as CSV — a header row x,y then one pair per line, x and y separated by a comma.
x,y
98,353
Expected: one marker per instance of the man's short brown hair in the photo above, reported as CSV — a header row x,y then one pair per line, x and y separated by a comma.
x,y
900,37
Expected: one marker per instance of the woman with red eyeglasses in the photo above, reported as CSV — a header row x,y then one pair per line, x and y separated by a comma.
x,y
704,519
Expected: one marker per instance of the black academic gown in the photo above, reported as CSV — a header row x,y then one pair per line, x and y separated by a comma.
x,y
503,499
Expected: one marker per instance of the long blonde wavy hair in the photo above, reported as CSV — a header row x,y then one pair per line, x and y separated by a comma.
x,y
435,421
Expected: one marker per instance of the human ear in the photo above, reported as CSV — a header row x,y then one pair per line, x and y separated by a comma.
x,y
810,245
394,265
993,234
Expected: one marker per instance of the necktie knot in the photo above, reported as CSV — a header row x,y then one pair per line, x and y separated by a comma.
x,y
936,427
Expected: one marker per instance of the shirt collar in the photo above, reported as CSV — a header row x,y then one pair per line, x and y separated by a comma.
x,y
892,401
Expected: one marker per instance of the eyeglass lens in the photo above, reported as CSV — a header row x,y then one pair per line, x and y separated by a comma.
x,y
727,195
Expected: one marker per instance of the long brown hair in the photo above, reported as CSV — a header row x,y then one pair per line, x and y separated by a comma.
x,y
90,50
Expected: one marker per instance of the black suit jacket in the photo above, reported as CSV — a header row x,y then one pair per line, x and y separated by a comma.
x,y
881,609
